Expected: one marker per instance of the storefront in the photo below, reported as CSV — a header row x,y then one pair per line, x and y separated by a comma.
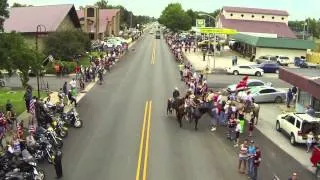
x,y
308,83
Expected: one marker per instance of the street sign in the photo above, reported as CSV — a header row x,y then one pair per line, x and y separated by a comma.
x,y
200,23
210,30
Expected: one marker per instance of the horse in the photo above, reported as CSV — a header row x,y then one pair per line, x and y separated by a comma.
x,y
254,108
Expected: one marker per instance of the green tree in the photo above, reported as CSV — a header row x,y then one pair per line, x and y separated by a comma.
x,y
66,44
15,54
4,13
19,5
102,4
175,18
193,15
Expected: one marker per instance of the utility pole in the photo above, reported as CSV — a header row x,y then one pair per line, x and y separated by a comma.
x,y
39,30
131,20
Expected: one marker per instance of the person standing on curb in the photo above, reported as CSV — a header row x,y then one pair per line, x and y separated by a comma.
x,y
28,97
256,163
251,155
58,164
237,132
243,155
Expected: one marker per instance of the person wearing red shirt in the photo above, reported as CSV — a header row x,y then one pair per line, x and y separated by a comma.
x,y
256,163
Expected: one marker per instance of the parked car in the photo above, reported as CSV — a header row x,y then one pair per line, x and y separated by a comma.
x,y
263,59
251,83
283,60
269,67
245,69
114,42
266,94
297,126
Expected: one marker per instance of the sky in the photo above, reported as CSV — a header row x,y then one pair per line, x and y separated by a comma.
x,y
298,9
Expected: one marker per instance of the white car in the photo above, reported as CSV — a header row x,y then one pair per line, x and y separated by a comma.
x,y
283,60
297,126
251,83
245,69
114,42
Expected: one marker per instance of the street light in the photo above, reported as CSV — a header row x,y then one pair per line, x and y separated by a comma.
x,y
304,28
40,29
214,44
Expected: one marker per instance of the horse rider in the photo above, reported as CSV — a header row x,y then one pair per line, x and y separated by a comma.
x,y
175,94
248,100
189,105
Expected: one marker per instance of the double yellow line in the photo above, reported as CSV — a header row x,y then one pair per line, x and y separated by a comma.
x,y
153,55
144,142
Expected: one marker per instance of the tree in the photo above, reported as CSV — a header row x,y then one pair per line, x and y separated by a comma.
x,y
19,5
4,13
66,45
193,15
175,18
15,54
102,4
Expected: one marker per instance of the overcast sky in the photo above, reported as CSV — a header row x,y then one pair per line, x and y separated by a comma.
x,y
298,9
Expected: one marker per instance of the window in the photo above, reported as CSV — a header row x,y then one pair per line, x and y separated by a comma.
x,y
255,84
262,17
231,14
298,125
242,15
90,12
252,16
272,17
303,98
316,104
273,58
282,18
290,119
266,91
244,67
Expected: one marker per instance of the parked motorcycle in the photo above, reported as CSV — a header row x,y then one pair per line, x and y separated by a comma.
x,y
26,171
72,118
53,138
59,127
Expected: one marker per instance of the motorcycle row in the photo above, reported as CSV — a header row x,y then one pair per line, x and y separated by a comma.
x,y
47,141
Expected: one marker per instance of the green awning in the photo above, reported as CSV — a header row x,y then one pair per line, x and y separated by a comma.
x,y
283,43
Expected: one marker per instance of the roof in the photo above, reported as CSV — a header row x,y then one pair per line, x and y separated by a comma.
x,y
281,29
105,15
255,11
26,19
306,117
305,79
283,43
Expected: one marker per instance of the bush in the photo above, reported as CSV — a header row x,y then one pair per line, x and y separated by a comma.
x,y
68,67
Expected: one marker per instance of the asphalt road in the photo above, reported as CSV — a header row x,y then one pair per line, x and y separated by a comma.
x,y
108,146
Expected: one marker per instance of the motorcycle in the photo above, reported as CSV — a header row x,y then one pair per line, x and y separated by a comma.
x,y
26,171
60,128
52,137
72,118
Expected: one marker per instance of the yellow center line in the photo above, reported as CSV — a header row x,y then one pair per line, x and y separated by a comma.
x,y
146,153
153,55
142,141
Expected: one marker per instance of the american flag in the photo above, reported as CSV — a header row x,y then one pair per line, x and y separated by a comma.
x,y
2,119
32,128
32,107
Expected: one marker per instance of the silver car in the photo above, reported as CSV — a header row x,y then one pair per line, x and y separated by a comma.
x,y
266,94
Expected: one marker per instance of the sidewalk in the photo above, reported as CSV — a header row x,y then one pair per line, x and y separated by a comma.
x,y
216,63
266,125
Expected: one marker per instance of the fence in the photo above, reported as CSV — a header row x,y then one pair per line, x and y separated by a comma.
x,y
313,57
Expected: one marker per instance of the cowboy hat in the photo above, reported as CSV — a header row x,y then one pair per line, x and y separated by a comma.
x,y
192,96
228,102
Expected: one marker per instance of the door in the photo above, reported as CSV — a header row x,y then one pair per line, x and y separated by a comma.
x,y
244,70
288,123
267,95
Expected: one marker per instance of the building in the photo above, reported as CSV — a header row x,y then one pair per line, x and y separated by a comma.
x,y
256,22
249,46
52,18
308,83
99,23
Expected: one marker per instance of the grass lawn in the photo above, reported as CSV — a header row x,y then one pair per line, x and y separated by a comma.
x,y
16,97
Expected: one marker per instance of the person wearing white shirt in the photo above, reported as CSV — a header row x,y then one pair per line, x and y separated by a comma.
x,y
310,140
73,83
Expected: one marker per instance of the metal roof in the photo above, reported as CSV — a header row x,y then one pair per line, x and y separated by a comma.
x,y
26,19
283,43
279,28
255,11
